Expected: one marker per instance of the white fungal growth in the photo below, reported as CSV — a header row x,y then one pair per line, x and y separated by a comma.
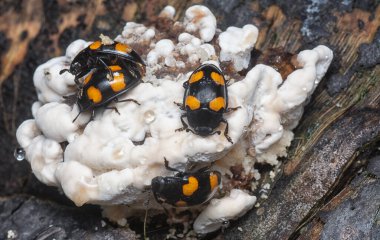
x,y
60,130
194,49
167,12
45,77
112,159
223,210
163,49
277,106
200,18
236,45
26,132
136,33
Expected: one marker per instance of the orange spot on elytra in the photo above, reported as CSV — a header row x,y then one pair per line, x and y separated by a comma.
x,y
117,84
195,77
192,102
115,68
95,45
218,79
122,48
94,94
213,181
217,103
191,187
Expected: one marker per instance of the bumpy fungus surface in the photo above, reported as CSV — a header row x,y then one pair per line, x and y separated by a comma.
x,y
112,159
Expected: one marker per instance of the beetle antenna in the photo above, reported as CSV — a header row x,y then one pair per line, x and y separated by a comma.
x,y
63,70
76,116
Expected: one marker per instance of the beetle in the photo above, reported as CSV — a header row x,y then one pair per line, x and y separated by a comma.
x,y
99,88
205,101
186,189
100,55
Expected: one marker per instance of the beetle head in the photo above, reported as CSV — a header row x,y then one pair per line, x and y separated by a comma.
x,y
203,131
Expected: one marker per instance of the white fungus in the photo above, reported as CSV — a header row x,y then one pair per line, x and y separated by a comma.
x,y
26,132
236,45
193,48
136,33
44,156
222,210
62,127
164,49
45,80
167,12
200,18
279,108
112,159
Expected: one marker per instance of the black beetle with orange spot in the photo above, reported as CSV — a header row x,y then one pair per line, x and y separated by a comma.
x,y
99,55
99,88
205,101
186,189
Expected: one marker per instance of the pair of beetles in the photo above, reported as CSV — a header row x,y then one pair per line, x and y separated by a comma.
x,y
110,70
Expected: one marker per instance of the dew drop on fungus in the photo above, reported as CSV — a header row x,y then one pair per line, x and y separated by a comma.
x,y
219,147
149,116
19,154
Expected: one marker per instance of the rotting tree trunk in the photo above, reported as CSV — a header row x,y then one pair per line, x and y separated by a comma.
x,y
331,175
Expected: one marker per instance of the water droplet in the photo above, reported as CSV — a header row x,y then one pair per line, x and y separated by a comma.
x,y
149,116
19,154
225,223
219,147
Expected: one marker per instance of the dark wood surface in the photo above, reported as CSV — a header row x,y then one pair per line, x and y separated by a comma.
x,y
332,171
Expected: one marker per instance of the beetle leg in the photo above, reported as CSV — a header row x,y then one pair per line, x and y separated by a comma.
x,y
226,131
180,105
127,100
76,116
168,167
185,126
70,99
78,83
76,80
113,108
216,132
189,130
